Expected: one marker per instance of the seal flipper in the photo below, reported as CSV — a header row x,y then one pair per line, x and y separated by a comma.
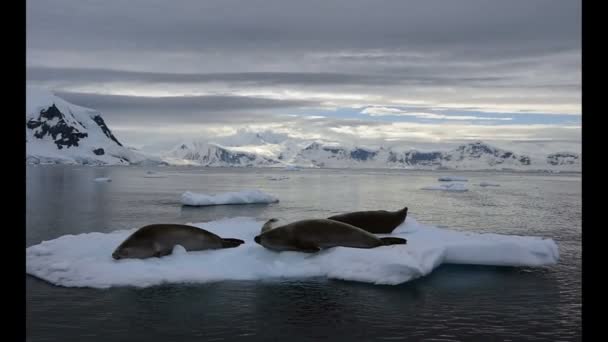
x,y
270,224
158,250
393,241
230,243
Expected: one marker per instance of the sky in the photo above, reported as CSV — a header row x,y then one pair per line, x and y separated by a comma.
x,y
412,73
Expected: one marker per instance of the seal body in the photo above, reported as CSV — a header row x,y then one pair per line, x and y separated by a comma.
x,y
313,235
373,221
159,240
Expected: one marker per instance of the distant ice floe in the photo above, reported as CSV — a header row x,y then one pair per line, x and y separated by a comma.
x,y
85,260
292,168
277,178
452,179
240,197
154,174
484,184
102,179
456,187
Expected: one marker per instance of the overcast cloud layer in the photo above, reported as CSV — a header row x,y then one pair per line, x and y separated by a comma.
x,y
419,71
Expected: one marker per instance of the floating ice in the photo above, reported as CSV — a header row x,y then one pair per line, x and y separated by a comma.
x,y
452,179
291,168
102,179
85,260
447,187
154,174
277,178
241,197
484,184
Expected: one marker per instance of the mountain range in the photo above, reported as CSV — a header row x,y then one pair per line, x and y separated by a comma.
x,y
59,132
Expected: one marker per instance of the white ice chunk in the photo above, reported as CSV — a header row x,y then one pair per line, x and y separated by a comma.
x,y
240,197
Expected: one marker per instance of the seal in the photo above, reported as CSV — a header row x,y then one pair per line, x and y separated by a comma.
x,y
373,221
158,240
312,235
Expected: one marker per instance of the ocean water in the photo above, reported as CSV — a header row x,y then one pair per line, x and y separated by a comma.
x,y
454,303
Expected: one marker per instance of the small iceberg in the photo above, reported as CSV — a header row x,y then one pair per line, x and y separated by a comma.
x,y
102,179
456,187
154,174
291,168
484,184
277,178
452,179
85,260
240,197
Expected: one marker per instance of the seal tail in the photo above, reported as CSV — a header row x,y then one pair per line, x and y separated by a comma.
x,y
230,243
393,241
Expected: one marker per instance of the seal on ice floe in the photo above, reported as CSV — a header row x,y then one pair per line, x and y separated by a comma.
x,y
312,235
373,221
158,240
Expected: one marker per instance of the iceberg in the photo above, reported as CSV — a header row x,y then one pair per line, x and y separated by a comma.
x,y
240,197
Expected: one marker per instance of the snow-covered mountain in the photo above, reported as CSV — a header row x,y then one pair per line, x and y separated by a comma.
x,y
59,132
260,153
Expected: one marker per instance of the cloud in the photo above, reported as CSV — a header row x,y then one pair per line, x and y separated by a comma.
x,y
370,133
194,26
387,111
184,110
204,66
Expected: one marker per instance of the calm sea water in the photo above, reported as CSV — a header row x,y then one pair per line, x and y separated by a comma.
x,y
454,303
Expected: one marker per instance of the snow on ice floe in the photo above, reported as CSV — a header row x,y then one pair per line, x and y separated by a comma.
x,y
102,179
452,179
484,184
240,197
456,187
85,260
